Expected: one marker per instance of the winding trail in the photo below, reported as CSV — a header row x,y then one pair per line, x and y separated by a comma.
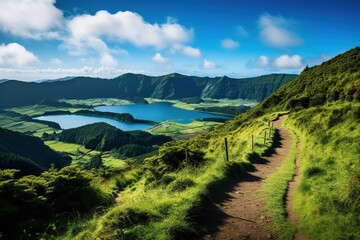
x,y
237,212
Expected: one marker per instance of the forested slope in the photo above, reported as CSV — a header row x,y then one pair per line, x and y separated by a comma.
x,y
26,153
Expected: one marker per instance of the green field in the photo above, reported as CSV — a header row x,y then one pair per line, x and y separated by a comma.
x,y
207,103
182,131
38,110
80,154
94,102
18,125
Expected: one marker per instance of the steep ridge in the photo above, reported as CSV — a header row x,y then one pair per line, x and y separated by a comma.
x,y
28,154
170,86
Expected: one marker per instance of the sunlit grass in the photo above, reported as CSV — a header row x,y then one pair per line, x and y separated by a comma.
x,y
17,125
38,110
175,130
164,209
328,198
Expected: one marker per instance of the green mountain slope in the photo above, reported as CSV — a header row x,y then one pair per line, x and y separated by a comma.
x,y
333,80
165,203
26,153
324,104
324,112
104,137
170,86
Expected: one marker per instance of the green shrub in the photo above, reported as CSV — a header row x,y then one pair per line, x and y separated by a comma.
x,y
181,184
312,171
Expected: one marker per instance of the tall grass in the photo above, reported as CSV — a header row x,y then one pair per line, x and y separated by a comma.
x,y
328,197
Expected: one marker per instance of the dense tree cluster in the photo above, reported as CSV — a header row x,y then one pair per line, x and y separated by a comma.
x,y
29,203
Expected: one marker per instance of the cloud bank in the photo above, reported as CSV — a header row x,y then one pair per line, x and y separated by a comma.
x,y
30,19
281,62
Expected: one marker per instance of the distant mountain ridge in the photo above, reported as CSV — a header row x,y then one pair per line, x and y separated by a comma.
x,y
173,86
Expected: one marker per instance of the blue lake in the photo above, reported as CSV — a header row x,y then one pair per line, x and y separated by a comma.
x,y
159,112
67,121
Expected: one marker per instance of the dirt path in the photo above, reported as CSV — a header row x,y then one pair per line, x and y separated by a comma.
x,y
289,200
237,212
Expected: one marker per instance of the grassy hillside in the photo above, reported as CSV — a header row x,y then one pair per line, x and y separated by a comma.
x,y
334,80
165,203
325,114
328,198
167,195
26,153
324,105
130,86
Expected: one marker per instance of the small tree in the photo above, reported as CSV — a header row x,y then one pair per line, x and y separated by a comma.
x,y
94,162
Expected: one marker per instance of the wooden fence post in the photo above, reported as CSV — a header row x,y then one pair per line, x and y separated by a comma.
x,y
226,150
252,142
270,131
265,137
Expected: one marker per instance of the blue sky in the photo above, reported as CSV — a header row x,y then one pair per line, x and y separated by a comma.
x,y
43,39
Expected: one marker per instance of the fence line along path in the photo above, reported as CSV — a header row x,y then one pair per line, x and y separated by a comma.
x,y
237,212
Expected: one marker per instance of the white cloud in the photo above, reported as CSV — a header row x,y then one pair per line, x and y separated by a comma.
x,y
191,52
240,30
56,61
159,58
229,44
186,50
286,61
125,27
276,31
30,18
88,32
208,65
263,61
16,56
281,62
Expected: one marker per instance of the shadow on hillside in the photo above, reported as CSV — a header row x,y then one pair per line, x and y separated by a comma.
x,y
275,144
211,216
